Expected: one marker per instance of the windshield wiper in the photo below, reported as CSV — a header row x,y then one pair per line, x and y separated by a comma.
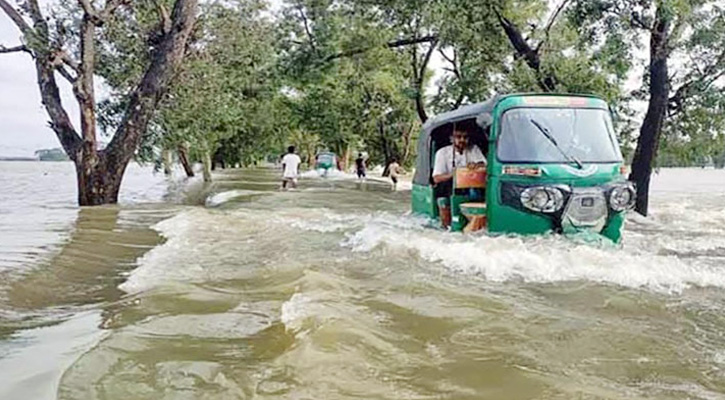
x,y
547,134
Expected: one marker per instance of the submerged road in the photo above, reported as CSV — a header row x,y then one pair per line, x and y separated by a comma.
x,y
333,291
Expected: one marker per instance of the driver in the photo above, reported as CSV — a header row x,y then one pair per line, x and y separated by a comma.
x,y
460,154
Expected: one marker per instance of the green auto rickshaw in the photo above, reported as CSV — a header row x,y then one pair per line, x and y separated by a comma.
x,y
326,162
553,165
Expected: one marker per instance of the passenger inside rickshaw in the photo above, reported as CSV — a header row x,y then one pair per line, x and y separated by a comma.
x,y
458,166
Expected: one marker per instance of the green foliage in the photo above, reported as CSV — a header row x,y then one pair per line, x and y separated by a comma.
x,y
227,94
616,28
324,75
356,102
696,124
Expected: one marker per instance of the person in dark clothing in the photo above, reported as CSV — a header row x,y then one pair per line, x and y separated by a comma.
x,y
360,166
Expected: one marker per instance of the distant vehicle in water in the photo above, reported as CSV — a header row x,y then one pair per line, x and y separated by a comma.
x,y
326,162
553,165
56,154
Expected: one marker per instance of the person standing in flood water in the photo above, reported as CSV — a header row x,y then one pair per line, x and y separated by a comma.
x,y
394,171
290,168
360,166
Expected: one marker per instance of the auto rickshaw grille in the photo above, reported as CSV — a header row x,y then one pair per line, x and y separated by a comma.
x,y
587,208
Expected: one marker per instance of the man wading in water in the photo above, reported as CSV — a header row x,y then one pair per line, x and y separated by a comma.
x,y
360,166
394,171
290,168
460,154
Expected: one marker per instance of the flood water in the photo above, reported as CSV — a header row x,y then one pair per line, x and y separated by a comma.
x,y
332,291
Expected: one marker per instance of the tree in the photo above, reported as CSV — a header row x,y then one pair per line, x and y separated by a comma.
x,y
684,29
226,94
474,51
350,73
99,171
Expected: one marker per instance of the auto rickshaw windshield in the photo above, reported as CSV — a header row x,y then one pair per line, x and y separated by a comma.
x,y
557,135
325,158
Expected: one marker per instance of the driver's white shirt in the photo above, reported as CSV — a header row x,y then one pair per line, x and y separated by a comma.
x,y
444,159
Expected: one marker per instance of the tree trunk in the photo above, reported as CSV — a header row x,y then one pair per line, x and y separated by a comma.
x,y
650,132
385,147
310,158
100,173
166,161
98,183
407,133
142,103
346,158
184,159
206,160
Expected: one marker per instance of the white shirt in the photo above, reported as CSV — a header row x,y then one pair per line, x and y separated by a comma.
x,y
444,159
290,162
393,168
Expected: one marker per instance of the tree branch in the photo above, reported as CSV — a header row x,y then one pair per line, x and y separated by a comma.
x,y
32,7
551,22
308,32
15,49
445,56
453,61
459,100
694,64
719,63
15,17
390,45
49,92
409,41
40,25
523,49
111,6
66,74
100,17
88,8
677,101
419,72
67,60
426,60
165,18
83,90
142,102
638,22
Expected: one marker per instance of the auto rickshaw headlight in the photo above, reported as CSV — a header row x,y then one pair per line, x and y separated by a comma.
x,y
622,197
542,199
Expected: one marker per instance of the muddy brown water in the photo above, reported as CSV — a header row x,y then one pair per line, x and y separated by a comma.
x,y
240,291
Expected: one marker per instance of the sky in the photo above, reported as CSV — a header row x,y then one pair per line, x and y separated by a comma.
x,y
23,121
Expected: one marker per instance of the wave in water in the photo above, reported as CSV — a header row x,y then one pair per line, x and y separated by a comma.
x,y
650,260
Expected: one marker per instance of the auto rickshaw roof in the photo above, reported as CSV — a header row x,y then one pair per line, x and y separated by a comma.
x,y
460,114
486,107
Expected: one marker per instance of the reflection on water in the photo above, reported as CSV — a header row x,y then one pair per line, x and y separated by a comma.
x,y
58,262
333,291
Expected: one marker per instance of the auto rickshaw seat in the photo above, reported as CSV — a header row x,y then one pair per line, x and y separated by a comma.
x,y
475,213
471,206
